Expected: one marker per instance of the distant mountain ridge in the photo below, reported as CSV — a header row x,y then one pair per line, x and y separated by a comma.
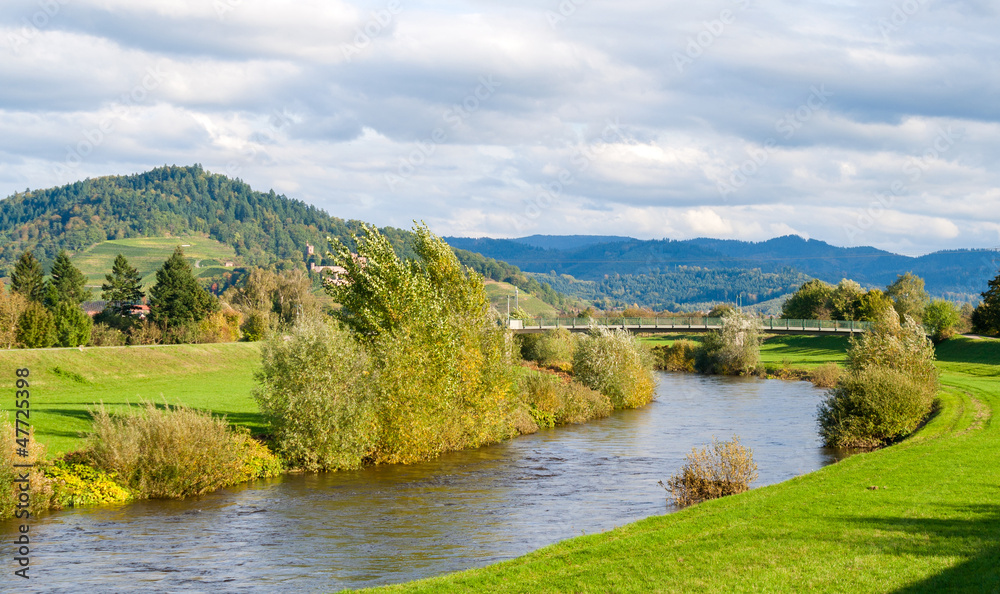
x,y
958,274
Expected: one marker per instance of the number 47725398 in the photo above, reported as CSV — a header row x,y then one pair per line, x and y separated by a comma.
x,y
23,413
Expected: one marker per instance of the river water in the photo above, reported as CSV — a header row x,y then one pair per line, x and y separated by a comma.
x,y
393,524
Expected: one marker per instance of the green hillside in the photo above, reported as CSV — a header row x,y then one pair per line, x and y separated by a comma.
x,y
253,228
498,292
207,256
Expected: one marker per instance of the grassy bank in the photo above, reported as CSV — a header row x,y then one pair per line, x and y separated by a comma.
x,y
920,516
65,383
801,351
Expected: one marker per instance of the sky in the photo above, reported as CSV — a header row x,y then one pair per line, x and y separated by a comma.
x,y
856,123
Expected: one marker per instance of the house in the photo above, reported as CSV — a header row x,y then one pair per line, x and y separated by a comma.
x,y
333,274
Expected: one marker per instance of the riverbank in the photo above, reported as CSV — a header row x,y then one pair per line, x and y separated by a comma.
x,y
922,515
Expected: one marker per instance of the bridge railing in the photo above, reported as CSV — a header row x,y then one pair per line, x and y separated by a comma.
x,y
693,323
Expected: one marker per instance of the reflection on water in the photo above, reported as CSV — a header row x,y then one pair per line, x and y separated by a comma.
x,y
397,523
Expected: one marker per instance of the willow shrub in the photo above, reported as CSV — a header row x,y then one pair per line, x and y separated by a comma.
x,y
175,452
553,401
616,364
442,367
316,392
679,356
10,487
733,350
724,468
872,407
442,388
552,348
889,388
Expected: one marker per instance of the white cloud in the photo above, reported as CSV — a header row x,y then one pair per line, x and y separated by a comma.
x,y
265,91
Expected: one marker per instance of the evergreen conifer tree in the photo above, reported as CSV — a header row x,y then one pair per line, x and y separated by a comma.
x,y
177,298
123,291
986,317
68,282
28,279
35,327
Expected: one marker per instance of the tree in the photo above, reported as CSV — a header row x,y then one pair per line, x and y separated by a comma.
x,y
733,350
177,298
28,279
986,316
889,387
845,299
872,305
35,327
123,291
12,305
71,325
68,283
908,296
810,302
443,364
940,318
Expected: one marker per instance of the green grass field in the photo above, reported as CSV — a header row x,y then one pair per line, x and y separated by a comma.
x,y
920,516
804,352
498,292
65,383
147,254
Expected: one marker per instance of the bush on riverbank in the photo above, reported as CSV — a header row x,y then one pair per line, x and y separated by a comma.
x,y
10,485
421,368
724,468
679,356
872,407
552,401
316,393
175,452
553,348
616,364
733,350
889,388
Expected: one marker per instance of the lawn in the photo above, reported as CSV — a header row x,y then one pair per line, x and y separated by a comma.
x,y
147,254
497,293
803,351
920,516
65,383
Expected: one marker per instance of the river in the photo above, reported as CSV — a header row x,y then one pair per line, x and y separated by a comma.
x,y
393,524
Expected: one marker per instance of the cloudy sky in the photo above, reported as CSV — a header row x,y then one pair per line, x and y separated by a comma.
x,y
858,123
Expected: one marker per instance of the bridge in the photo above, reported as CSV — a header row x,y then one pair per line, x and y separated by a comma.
x,y
685,325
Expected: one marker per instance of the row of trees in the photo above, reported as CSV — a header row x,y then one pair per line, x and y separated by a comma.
x,y
42,312
849,301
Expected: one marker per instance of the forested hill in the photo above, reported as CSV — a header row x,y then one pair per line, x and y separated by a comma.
x,y
264,228
959,275
261,227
